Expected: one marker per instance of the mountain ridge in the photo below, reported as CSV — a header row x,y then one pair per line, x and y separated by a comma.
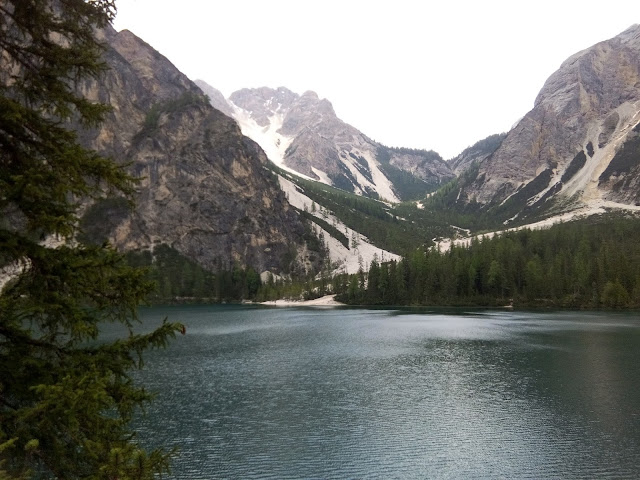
x,y
302,134
297,129
553,158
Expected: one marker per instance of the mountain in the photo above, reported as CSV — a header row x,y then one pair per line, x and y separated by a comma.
x,y
476,153
205,189
302,134
208,191
215,97
578,148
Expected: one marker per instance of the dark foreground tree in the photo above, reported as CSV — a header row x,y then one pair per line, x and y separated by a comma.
x,y
66,396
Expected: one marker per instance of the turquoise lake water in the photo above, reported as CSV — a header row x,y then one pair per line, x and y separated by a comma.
x,y
257,392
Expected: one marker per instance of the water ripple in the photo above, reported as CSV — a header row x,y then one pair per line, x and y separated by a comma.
x,y
252,393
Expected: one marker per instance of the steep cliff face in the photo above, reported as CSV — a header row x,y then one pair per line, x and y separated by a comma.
x,y
205,189
560,150
302,133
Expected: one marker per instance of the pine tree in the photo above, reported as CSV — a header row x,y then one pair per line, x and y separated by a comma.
x,y
66,397
373,282
494,278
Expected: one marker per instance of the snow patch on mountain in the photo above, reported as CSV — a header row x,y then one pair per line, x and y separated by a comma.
x,y
373,179
381,183
273,143
344,260
324,178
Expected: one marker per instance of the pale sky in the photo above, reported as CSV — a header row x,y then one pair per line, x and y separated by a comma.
x,y
407,73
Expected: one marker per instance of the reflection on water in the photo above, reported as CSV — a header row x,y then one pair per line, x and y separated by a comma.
x,y
348,393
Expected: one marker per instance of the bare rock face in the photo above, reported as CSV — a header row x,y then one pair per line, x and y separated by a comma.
x,y
204,187
302,133
586,110
215,97
263,103
620,181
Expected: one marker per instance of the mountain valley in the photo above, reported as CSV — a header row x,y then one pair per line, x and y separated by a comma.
x,y
274,181
153,229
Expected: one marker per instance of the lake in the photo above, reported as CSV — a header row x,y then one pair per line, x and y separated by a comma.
x,y
257,392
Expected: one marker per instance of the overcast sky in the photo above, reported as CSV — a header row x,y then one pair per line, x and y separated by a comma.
x,y
435,75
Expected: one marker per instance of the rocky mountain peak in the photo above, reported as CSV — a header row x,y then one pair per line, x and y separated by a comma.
x,y
583,116
262,103
599,78
306,111
303,134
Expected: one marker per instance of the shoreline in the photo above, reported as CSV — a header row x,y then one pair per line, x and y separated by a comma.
x,y
326,301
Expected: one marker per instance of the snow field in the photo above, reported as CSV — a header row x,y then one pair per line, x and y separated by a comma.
x,y
346,260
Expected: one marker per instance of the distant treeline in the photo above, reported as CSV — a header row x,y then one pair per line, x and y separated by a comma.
x,y
427,154
179,279
485,146
586,264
